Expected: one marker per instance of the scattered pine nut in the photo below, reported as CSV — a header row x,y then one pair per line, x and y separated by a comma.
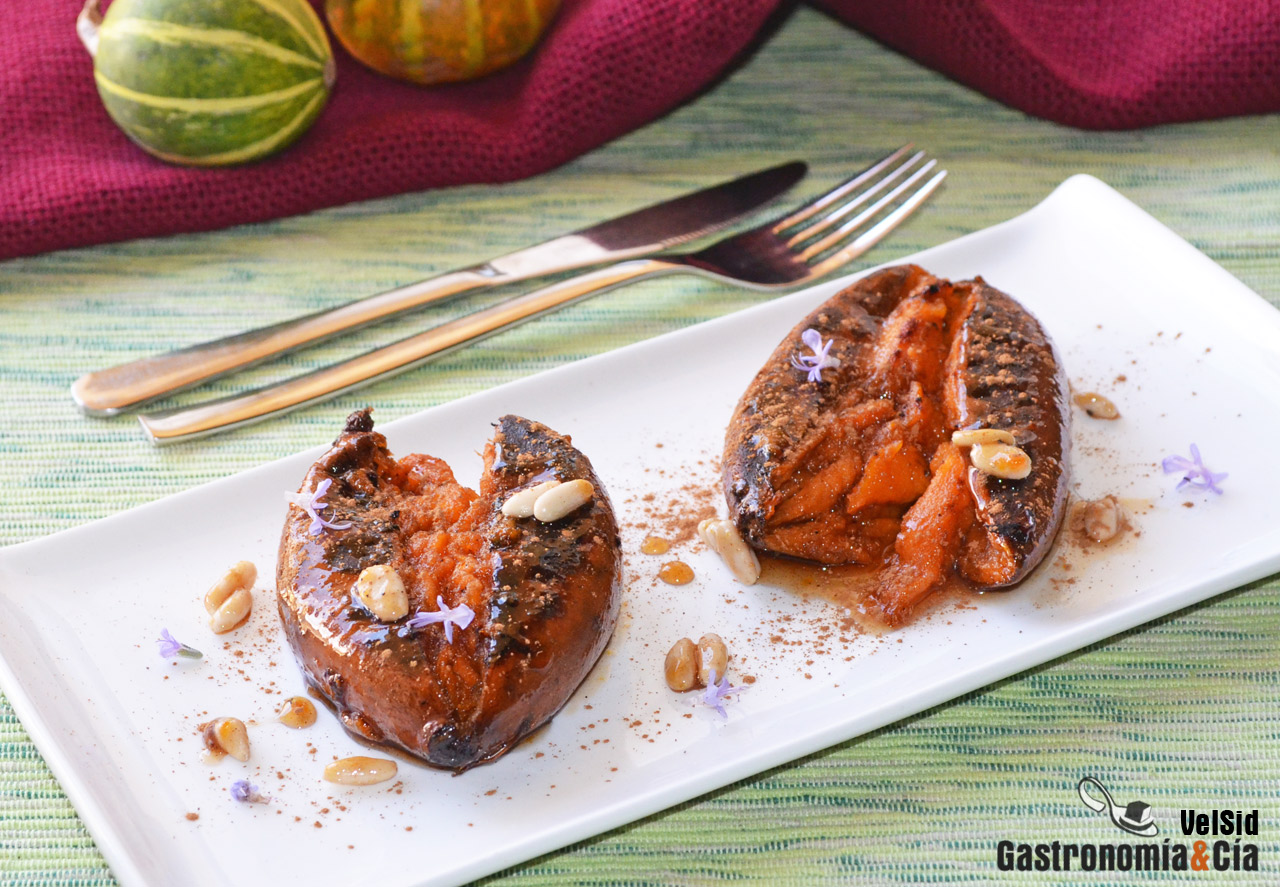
x,y
1001,460
1102,519
713,659
562,500
681,666
241,575
382,591
297,712
688,665
968,437
1097,406
722,537
229,600
226,736
521,503
232,612
360,770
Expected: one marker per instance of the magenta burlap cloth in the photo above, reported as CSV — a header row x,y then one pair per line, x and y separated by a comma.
x,y
68,177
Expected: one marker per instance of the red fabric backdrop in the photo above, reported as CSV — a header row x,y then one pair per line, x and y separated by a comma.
x,y
68,177
1095,64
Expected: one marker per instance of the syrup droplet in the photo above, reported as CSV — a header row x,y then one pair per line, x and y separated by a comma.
x,y
655,545
676,573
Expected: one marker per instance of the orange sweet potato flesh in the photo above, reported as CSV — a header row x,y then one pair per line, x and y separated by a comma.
x,y
858,467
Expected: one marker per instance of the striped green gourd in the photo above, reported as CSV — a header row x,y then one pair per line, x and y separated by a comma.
x,y
209,82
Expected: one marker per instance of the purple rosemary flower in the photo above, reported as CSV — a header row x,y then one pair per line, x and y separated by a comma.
x,y
242,791
821,359
716,692
1194,472
171,647
313,506
460,616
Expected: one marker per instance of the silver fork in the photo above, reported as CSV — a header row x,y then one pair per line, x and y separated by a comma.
x,y
827,232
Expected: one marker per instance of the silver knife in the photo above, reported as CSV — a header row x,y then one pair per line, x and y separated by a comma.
x,y
645,231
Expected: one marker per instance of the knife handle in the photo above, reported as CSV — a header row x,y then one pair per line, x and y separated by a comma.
x,y
205,418
110,391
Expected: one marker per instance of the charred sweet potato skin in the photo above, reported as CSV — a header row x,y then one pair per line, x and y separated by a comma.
x,y
556,587
779,413
1004,372
545,596
919,358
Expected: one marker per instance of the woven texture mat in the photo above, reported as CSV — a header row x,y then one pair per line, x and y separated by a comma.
x,y
1180,713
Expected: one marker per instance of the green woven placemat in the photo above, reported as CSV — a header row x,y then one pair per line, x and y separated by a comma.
x,y
1181,713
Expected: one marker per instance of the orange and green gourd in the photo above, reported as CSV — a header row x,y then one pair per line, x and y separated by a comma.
x,y
209,82
438,41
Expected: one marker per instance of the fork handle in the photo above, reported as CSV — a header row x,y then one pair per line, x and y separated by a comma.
x,y
381,363
110,391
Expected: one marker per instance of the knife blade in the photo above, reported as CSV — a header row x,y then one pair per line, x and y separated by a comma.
x,y
642,232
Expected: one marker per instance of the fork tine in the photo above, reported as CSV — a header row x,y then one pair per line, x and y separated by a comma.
x,y
822,245
822,201
877,232
831,218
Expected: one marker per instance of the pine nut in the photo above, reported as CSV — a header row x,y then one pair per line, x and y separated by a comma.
x,y
241,575
713,659
1097,406
1102,519
681,666
381,590
360,770
722,537
521,504
226,736
232,611
704,527
968,437
297,712
562,500
1001,460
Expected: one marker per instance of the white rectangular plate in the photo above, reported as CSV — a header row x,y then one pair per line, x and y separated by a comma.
x,y
1121,295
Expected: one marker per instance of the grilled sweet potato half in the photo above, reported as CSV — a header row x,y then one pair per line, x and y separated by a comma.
x,y
543,595
855,463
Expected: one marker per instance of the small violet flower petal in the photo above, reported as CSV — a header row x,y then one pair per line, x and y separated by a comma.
x,y
1176,463
1211,481
313,505
460,616
716,692
1194,472
171,647
245,793
813,364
